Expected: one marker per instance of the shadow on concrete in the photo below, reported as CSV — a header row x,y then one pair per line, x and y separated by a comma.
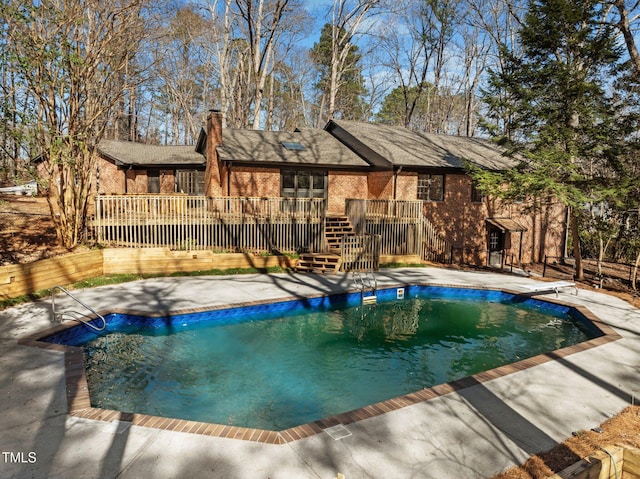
x,y
61,448
492,409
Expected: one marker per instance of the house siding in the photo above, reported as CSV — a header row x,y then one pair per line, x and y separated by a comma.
x,y
167,181
407,186
137,181
111,179
250,181
457,218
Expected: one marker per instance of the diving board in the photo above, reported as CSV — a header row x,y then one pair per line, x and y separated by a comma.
x,y
548,287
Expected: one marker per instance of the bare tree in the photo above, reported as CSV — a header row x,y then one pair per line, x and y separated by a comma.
x,y
70,55
246,37
476,50
347,19
15,143
624,23
287,106
499,21
407,46
263,23
377,82
438,59
181,63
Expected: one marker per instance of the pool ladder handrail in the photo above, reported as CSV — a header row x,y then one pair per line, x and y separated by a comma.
x,y
72,314
365,281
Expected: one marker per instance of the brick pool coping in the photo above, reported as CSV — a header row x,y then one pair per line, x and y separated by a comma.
x,y
79,402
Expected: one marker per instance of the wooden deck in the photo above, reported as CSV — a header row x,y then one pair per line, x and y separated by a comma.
x,y
199,223
293,225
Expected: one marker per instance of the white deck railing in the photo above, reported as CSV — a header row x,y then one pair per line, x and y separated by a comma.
x,y
402,226
259,224
360,253
200,222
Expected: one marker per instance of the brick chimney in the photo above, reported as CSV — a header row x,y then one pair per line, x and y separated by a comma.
x,y
213,173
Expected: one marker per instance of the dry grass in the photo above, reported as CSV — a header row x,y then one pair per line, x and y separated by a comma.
x,y
623,429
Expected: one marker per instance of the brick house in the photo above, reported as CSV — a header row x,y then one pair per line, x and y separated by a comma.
x,y
374,161
431,168
347,160
126,167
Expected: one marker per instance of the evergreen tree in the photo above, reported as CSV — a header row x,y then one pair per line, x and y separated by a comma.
x,y
557,101
350,91
399,100
413,108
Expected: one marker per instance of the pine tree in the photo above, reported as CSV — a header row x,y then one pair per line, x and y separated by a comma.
x,y
394,109
558,114
350,87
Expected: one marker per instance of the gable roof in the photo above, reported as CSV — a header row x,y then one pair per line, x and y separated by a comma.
x,y
312,147
341,144
125,153
399,146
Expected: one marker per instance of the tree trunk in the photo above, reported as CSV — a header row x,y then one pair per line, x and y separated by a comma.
x,y
132,116
270,102
601,249
259,92
334,74
601,252
320,123
577,250
634,275
625,28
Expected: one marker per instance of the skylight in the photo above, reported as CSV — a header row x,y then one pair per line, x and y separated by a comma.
x,y
293,145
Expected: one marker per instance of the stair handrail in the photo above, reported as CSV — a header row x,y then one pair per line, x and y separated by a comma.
x,y
433,241
430,244
370,279
367,280
72,314
355,276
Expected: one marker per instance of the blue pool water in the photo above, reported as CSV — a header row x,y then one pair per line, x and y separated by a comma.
x,y
279,365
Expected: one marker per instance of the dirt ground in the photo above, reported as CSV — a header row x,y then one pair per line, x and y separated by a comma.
x,y
27,234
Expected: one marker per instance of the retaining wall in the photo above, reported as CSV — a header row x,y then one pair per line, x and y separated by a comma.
x,y
22,279
613,462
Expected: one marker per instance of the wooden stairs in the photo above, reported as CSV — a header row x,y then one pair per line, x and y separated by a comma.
x,y
318,263
336,226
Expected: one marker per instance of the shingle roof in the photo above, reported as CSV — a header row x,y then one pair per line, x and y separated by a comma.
x,y
343,144
403,147
132,153
266,147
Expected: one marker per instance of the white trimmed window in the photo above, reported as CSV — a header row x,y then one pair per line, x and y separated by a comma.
x,y
431,187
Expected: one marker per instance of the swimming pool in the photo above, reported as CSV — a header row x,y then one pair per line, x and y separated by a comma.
x,y
309,365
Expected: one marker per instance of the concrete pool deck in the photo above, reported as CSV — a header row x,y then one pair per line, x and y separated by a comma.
x,y
475,432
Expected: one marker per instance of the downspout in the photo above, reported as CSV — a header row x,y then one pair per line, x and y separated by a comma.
x,y
520,251
228,178
396,171
126,181
565,251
